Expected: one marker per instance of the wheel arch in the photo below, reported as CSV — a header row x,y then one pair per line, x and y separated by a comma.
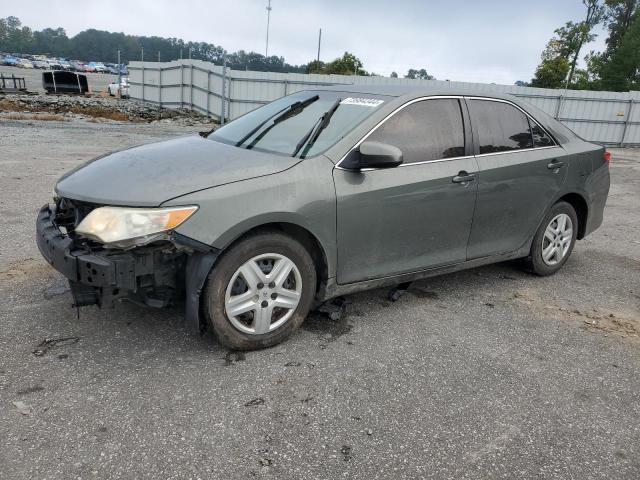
x,y
301,234
579,204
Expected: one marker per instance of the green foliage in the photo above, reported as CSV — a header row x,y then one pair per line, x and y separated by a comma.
x,y
348,64
419,74
551,73
566,45
394,75
620,14
622,71
315,67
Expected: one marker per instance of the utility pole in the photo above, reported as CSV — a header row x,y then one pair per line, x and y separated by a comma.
x,y
266,50
319,40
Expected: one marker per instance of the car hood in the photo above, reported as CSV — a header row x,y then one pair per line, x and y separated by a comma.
x,y
151,174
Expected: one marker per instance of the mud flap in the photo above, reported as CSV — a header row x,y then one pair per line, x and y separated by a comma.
x,y
198,267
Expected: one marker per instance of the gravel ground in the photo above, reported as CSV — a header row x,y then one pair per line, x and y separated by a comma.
x,y
488,373
33,78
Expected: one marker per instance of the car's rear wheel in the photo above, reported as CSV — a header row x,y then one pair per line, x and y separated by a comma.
x,y
554,240
260,291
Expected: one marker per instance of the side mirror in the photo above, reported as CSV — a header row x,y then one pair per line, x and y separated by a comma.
x,y
378,155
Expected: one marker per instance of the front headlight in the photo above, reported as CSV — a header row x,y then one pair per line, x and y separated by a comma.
x,y
125,227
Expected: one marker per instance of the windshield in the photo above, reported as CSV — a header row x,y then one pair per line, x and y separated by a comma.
x,y
305,124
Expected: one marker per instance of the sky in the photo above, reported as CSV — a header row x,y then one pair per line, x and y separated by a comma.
x,y
487,41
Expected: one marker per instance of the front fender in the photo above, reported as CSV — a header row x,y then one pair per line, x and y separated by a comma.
x,y
303,195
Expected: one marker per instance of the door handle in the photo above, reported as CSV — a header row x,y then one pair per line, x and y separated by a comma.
x,y
463,177
554,164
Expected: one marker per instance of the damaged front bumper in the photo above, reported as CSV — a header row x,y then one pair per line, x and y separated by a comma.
x,y
155,275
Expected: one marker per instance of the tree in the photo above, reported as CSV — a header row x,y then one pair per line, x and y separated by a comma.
x,y
551,73
348,64
394,75
419,74
316,66
622,72
619,15
567,44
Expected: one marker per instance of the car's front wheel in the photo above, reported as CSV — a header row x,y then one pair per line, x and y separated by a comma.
x,y
554,240
260,291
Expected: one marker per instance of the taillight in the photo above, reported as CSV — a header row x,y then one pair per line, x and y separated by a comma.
x,y
607,157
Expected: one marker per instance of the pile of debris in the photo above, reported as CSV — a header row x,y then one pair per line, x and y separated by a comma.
x,y
105,108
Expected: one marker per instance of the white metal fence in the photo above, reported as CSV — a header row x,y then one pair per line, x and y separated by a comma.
x,y
610,118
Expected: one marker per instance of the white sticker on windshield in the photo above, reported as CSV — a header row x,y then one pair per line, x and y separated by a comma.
x,y
362,102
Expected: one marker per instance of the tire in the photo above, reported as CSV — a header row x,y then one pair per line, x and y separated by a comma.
x,y
541,247
226,283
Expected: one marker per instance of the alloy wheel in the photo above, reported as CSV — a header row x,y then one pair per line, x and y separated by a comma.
x,y
557,239
263,294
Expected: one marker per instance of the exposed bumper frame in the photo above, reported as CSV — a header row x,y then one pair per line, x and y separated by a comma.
x,y
99,278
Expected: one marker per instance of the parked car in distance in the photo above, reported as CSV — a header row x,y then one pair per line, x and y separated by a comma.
x,y
111,68
76,66
319,194
112,88
10,60
63,64
97,67
41,64
24,63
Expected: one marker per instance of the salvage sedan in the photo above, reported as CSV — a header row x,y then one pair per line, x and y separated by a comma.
x,y
321,194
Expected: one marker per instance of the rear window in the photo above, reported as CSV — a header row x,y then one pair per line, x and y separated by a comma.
x,y
501,127
277,128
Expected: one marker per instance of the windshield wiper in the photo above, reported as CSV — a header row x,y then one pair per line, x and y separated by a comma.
x,y
280,116
312,135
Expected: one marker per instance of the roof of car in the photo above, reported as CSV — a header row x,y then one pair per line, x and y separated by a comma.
x,y
419,90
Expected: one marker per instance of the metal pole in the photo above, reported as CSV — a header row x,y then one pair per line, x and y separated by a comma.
x,y
266,50
160,87
119,76
181,85
224,81
626,121
158,55
142,60
319,40
191,88
558,106
208,92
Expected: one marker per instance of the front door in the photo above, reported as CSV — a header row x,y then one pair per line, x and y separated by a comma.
x,y
415,216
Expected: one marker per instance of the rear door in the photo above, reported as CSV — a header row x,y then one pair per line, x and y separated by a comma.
x,y
521,172
415,216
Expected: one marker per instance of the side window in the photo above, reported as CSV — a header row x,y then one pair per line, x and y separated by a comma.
x,y
501,127
540,137
425,130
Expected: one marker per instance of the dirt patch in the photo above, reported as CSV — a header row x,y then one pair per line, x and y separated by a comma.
x,y
23,268
232,358
34,116
620,323
55,110
330,330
